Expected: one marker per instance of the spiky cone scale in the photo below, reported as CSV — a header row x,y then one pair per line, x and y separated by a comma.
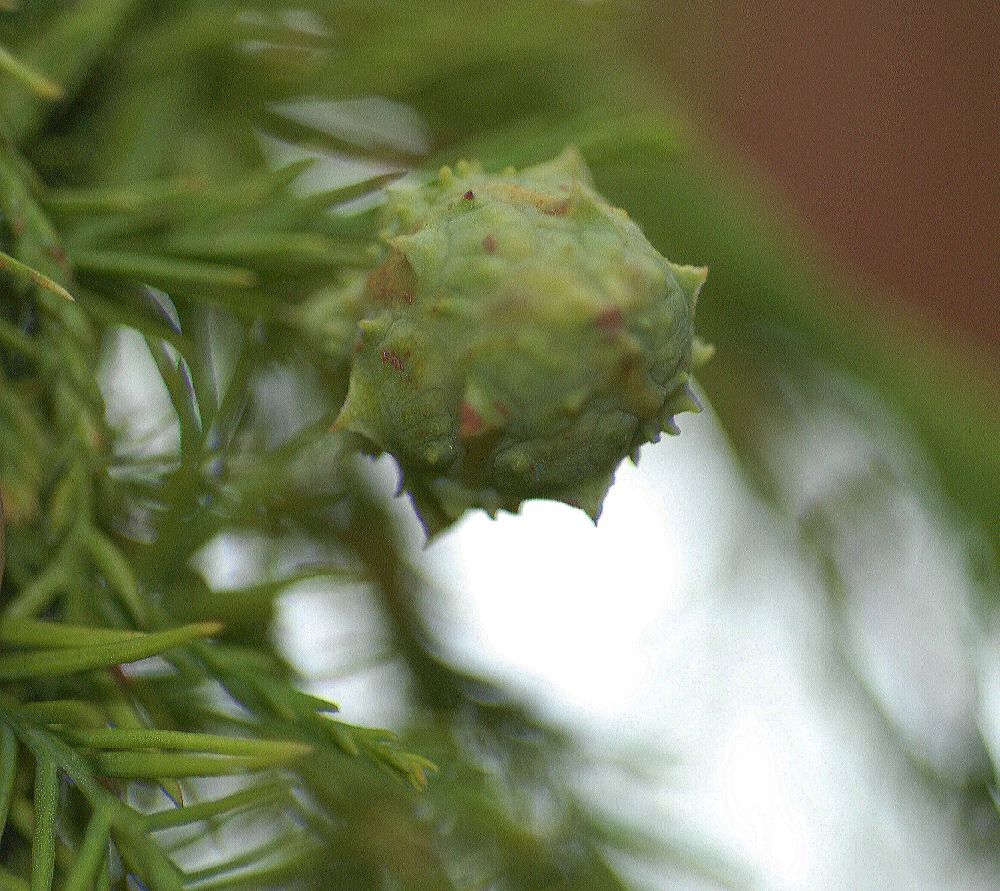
x,y
522,338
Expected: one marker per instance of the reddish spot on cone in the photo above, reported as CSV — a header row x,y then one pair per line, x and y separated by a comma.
x,y
470,421
390,357
611,321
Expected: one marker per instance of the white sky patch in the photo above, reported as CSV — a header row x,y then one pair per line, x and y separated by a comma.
x,y
542,582
372,123
760,801
136,398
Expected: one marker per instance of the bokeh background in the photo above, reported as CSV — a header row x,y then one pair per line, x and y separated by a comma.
x,y
876,123
806,718
808,685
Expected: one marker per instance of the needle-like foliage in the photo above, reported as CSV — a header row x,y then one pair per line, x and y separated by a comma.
x,y
158,164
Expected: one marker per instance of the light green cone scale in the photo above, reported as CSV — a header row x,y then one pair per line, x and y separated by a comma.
x,y
522,338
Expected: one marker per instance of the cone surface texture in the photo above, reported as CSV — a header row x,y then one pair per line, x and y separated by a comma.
x,y
521,338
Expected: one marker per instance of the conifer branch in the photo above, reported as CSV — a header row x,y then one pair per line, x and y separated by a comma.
x,y
145,194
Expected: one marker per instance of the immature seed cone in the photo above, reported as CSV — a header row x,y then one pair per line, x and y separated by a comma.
x,y
523,337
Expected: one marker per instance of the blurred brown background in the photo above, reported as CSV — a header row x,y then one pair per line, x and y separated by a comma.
x,y
879,122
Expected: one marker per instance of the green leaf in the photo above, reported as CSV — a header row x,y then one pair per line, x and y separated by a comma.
x,y
10,882
72,712
142,197
114,739
156,765
15,339
23,666
66,49
288,850
289,251
31,276
43,845
256,797
91,853
37,244
330,197
39,593
118,573
116,307
140,854
8,771
159,271
56,635
38,83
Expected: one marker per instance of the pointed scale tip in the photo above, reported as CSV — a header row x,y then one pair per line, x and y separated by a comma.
x,y
691,279
650,431
589,496
670,427
568,165
701,352
684,400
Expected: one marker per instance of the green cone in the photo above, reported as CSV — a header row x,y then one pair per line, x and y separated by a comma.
x,y
522,338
